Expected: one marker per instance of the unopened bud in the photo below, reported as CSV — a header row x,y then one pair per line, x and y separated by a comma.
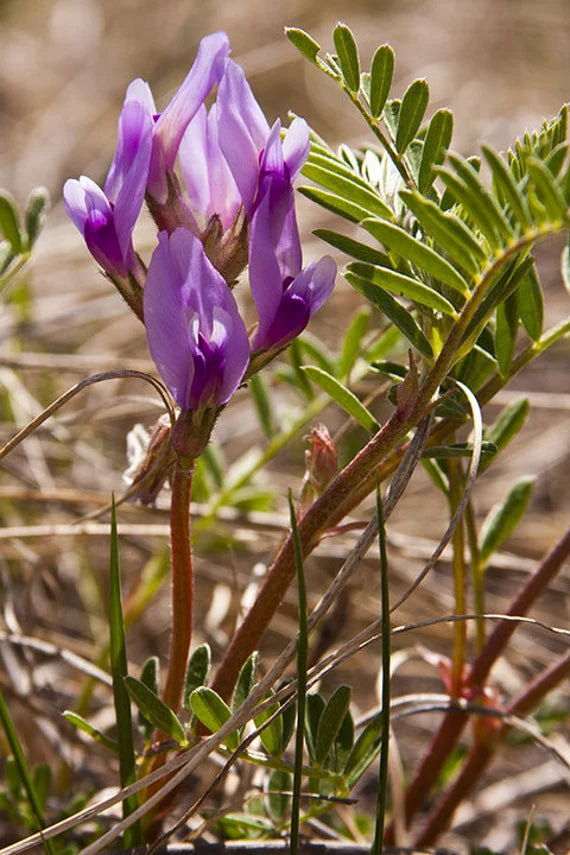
x,y
320,465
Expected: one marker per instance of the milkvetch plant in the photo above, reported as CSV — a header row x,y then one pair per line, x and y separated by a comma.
x,y
444,258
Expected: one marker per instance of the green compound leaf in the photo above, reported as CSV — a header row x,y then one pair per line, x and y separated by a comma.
x,y
399,316
330,722
343,396
304,43
155,710
400,241
480,202
10,221
337,204
342,181
213,712
381,74
412,110
436,143
448,230
81,724
403,286
347,56
343,743
196,672
507,187
531,304
354,248
272,735
502,519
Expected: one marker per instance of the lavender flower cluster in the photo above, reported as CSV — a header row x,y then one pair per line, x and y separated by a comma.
x,y
231,205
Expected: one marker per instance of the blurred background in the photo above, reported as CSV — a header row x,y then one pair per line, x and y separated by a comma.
x,y
502,67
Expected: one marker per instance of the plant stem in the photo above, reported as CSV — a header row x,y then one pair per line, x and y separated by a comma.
x,y
453,722
322,514
182,584
482,752
477,575
456,483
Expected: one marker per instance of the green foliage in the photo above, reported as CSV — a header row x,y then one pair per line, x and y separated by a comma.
x,y
343,396
20,231
119,672
502,519
154,710
213,712
196,672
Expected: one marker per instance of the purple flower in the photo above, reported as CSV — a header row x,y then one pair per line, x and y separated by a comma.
x,y
173,121
195,333
286,295
211,189
107,218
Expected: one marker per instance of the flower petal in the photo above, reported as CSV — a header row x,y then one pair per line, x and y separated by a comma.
x,y
171,125
243,130
209,182
296,146
196,336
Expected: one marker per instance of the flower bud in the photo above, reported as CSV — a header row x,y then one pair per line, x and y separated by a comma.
x,y
320,464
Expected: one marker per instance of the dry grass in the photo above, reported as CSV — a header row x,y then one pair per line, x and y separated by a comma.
x,y
502,67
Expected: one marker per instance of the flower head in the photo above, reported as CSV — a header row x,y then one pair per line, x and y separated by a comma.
x,y
106,218
286,295
171,124
195,333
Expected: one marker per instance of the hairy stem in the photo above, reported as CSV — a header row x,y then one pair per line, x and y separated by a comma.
x,y
182,585
456,484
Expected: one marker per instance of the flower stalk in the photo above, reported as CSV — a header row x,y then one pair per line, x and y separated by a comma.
x,y
182,583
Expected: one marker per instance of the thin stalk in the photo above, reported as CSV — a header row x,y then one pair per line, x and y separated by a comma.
x,y
482,752
378,843
456,484
302,657
182,584
477,575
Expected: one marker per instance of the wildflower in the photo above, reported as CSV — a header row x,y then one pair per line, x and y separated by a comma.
x,y
106,218
195,333
286,295
143,162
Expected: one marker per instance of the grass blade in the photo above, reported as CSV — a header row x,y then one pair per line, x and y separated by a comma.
x,y
22,767
119,670
302,656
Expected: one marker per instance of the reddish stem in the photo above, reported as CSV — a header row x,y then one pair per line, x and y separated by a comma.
x,y
453,722
327,511
482,752
182,585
